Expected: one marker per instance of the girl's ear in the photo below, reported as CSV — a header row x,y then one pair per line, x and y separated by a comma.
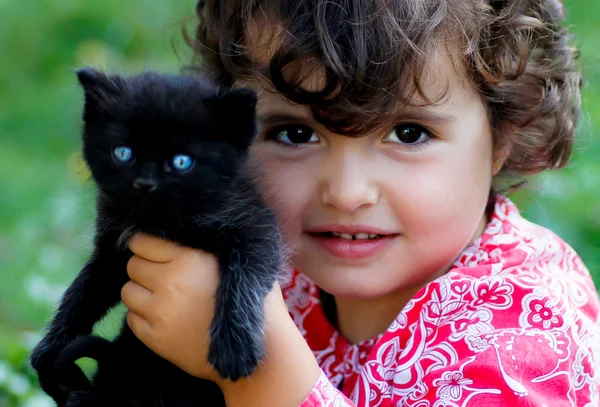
x,y
237,109
502,150
98,89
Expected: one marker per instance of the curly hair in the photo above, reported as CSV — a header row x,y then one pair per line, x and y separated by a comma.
x,y
516,53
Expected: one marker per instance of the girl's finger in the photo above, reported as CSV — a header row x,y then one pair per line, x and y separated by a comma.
x,y
141,328
154,249
137,299
144,272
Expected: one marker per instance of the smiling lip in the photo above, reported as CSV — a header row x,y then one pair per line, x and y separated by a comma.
x,y
351,249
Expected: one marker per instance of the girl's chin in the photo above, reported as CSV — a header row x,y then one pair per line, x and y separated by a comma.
x,y
351,282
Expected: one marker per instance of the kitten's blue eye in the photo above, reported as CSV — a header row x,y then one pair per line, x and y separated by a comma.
x,y
123,154
182,162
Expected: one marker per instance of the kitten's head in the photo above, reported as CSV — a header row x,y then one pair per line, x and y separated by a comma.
x,y
161,138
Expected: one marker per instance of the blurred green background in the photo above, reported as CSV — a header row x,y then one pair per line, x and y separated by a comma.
x,y
47,207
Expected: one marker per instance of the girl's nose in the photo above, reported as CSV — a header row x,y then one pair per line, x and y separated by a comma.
x,y
346,184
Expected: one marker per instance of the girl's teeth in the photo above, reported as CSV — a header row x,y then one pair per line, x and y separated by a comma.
x,y
358,236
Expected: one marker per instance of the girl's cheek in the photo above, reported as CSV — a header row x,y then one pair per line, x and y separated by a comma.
x,y
442,193
267,174
285,187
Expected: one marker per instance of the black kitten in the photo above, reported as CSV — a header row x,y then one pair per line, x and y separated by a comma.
x,y
169,157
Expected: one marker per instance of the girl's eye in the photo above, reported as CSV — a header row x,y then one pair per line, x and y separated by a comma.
x,y
409,134
123,154
182,162
293,134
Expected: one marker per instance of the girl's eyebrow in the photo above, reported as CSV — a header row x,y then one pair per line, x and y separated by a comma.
x,y
275,118
423,115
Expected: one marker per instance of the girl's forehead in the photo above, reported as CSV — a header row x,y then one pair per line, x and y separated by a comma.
x,y
443,84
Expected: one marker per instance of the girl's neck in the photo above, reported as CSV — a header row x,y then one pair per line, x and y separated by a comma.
x,y
361,319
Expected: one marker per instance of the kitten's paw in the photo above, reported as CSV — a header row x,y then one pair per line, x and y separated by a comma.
x,y
43,359
235,353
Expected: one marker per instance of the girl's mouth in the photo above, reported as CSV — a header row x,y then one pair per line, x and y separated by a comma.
x,y
350,244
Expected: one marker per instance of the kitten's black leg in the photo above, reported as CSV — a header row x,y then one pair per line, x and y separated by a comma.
x,y
72,377
83,398
94,291
247,276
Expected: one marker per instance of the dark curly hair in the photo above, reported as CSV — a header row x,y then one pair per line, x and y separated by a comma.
x,y
515,52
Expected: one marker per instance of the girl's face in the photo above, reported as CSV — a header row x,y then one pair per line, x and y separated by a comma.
x,y
411,198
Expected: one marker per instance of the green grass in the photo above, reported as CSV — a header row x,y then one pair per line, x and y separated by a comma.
x,y
46,205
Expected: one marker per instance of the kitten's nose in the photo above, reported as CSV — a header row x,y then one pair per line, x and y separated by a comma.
x,y
145,184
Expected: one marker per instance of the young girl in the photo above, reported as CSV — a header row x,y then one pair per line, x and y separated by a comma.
x,y
384,126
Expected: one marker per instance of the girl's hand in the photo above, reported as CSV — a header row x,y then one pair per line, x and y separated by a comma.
x,y
170,298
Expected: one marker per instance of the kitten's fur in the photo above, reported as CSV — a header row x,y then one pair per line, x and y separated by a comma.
x,y
213,206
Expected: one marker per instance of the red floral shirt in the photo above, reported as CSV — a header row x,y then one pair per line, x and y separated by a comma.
x,y
516,322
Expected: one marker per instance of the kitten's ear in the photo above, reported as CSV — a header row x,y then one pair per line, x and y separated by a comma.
x,y
98,88
237,108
